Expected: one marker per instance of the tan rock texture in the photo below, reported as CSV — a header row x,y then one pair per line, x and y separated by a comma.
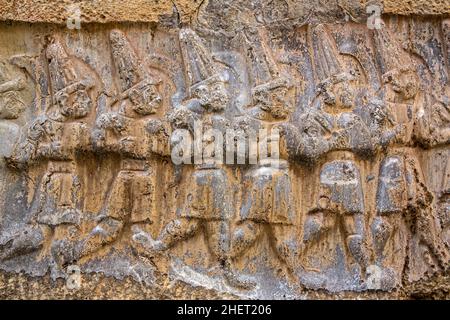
x,y
420,7
224,149
56,11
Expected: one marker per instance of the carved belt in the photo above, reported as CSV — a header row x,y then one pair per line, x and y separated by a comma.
x,y
61,166
134,165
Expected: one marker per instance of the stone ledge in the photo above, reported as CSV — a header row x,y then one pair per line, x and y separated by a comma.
x,y
98,286
108,11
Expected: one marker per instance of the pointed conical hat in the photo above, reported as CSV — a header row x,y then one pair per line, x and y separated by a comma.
x,y
199,63
127,63
325,57
60,67
389,54
264,71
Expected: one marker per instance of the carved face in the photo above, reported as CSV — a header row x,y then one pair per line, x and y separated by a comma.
x,y
212,96
274,101
117,39
378,112
76,105
10,105
403,83
146,100
340,95
313,130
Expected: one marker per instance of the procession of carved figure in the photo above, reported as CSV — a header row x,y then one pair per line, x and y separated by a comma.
x,y
346,128
128,128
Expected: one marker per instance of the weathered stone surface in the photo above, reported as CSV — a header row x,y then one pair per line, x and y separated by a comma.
x,y
57,11
355,203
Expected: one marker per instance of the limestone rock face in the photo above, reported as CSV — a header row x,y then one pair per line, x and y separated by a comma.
x,y
224,149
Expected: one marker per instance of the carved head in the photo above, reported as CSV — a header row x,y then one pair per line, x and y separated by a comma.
x,y
274,98
211,94
338,91
403,81
11,106
74,105
145,98
378,111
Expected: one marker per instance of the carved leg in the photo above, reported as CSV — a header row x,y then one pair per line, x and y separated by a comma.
x,y
218,232
174,232
67,251
243,237
427,230
286,244
382,231
354,231
26,240
106,232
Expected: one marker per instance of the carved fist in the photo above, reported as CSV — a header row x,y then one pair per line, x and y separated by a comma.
x,y
23,153
181,118
156,127
98,139
339,140
127,145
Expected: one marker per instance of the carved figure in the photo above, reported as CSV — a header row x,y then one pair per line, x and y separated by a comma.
x,y
56,137
401,187
267,199
341,130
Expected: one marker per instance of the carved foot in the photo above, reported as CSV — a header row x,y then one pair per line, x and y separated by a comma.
x,y
21,242
240,282
144,245
65,252
355,244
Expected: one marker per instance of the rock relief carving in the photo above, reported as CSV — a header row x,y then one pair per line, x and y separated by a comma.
x,y
359,144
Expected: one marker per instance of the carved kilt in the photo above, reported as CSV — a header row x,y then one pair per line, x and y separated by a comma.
x,y
58,195
340,188
210,198
132,195
267,196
